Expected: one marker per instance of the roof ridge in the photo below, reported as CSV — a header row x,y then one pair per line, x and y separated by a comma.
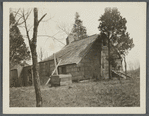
x,y
68,52
82,39
87,50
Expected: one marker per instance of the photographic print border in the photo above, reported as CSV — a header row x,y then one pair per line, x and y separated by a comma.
x,y
60,110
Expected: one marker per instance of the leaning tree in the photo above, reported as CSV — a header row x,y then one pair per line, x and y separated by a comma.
x,y
113,26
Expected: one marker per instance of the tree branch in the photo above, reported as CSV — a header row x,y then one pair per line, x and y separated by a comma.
x,y
63,29
27,32
52,37
17,13
42,18
18,20
24,17
21,16
47,19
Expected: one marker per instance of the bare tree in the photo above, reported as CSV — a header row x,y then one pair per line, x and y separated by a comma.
x,y
23,16
64,28
33,45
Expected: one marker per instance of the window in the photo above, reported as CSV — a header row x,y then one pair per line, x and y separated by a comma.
x,y
62,70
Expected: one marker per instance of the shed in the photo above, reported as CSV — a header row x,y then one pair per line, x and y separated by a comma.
x,y
21,76
15,75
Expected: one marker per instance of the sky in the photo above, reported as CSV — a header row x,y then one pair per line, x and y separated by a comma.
x,y
63,14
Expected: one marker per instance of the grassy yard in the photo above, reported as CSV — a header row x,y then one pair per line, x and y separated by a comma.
x,y
87,94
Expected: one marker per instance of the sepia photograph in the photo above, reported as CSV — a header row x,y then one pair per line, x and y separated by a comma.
x,y
74,57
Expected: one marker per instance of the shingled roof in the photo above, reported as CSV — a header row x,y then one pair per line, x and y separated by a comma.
x,y
74,52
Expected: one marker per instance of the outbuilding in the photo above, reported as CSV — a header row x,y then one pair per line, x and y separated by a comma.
x,y
21,76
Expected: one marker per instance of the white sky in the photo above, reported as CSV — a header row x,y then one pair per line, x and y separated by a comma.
x,y
64,14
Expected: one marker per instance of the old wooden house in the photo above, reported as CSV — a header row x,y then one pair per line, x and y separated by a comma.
x,y
83,59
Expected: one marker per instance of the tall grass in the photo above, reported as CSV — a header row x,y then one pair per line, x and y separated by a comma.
x,y
134,73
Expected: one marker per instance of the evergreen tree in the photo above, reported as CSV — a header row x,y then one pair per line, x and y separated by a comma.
x,y
18,49
125,44
113,27
78,29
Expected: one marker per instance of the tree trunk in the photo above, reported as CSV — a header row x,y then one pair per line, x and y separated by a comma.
x,y
125,65
34,59
109,58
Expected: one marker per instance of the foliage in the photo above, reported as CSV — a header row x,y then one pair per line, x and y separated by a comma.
x,y
113,27
112,24
124,44
18,49
78,28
